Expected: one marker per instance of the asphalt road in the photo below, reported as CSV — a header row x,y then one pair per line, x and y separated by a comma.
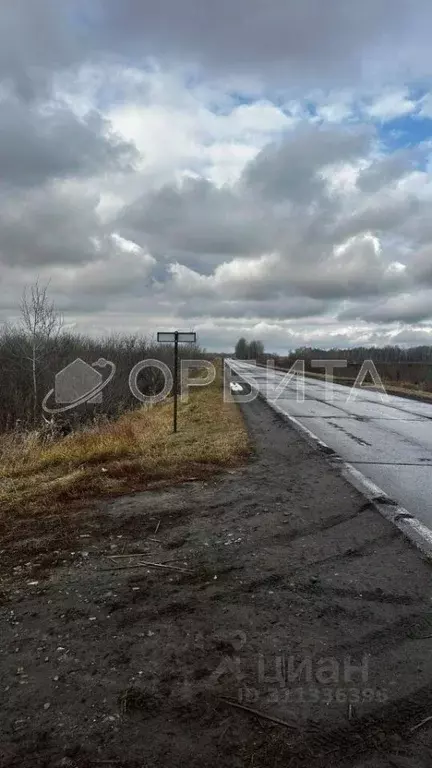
x,y
390,442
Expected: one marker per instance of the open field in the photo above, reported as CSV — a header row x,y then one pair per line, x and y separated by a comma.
x,y
123,455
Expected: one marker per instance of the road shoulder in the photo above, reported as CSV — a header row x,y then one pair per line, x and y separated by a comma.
x,y
282,590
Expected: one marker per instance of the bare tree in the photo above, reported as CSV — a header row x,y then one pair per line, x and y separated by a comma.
x,y
40,323
16,367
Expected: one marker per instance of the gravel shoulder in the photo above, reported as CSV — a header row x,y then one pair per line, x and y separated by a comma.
x,y
282,591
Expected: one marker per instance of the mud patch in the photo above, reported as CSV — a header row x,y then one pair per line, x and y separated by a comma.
x,y
277,587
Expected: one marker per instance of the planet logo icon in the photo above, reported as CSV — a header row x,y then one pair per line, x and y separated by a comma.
x,y
77,384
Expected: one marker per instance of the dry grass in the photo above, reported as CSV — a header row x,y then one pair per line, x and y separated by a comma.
x,y
123,456
407,388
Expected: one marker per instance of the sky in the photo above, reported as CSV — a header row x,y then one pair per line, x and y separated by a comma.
x,y
237,168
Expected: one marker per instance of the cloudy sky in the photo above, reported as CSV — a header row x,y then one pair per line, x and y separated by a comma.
x,y
237,167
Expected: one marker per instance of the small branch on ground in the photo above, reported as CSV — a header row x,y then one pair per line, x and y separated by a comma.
x,y
257,713
421,724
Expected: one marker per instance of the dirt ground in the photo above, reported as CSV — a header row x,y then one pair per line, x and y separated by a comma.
x,y
282,592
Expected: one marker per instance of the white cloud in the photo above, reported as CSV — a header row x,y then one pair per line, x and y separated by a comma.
x,y
181,129
391,105
335,108
426,106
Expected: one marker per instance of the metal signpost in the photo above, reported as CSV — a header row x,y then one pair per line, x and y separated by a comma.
x,y
176,337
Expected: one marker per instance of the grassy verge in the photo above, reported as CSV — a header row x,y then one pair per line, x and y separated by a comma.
x,y
123,456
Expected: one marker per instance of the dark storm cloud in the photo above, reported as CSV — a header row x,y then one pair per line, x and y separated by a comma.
x,y
280,206
390,169
51,142
286,42
45,149
285,308
385,215
413,337
285,39
49,226
36,39
421,266
405,308
289,170
197,220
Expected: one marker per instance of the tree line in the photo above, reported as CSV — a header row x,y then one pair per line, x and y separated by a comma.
x,y
248,350
387,354
37,347
254,350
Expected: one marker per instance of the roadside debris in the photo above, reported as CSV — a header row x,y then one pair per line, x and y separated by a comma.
x,y
150,565
259,714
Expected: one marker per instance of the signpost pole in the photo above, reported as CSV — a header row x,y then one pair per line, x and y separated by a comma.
x,y
175,378
176,337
